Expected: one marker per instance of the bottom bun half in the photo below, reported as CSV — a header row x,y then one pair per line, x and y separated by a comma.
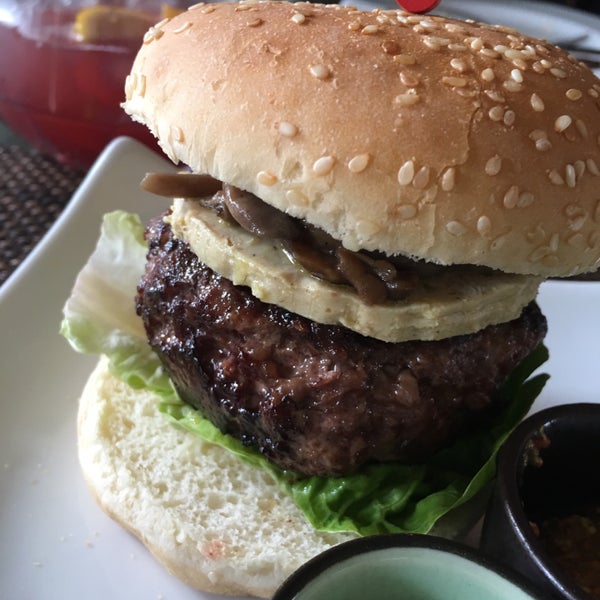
x,y
214,522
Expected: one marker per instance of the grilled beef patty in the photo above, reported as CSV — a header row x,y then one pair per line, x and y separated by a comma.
x,y
317,399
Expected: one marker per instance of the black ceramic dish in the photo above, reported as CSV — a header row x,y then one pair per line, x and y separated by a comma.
x,y
567,479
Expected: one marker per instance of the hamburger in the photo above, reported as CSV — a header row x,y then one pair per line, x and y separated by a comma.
x,y
330,331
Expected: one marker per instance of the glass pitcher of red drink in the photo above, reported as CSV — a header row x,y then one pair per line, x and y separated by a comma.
x,y
63,65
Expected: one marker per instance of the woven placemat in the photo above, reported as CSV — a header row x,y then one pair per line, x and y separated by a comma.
x,y
34,189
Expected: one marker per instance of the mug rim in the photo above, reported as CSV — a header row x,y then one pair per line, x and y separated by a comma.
x,y
317,565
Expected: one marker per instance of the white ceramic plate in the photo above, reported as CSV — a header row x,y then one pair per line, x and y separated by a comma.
x,y
54,541
544,20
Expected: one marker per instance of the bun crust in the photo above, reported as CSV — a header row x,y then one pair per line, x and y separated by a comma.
x,y
216,523
415,135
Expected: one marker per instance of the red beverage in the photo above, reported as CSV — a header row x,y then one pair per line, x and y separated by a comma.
x,y
63,95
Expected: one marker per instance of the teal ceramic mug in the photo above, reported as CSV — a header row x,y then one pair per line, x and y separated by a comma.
x,y
404,567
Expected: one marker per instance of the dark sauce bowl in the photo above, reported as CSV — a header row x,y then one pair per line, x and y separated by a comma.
x,y
548,468
404,567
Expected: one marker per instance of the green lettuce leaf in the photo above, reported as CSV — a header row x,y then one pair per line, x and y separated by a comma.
x,y
99,318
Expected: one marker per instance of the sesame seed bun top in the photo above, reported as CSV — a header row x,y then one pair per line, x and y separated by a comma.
x,y
415,135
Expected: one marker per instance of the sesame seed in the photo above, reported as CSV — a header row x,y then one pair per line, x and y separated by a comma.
x,y
579,168
457,47
577,220
484,226
130,85
287,129
404,59
562,123
449,179
517,75
197,6
539,253
498,243
525,199
513,54
511,197
320,71
162,23
488,74
536,103
558,73
454,81
385,19
406,172
458,65
429,24
512,86
597,212
367,228
556,178
581,128
407,99
493,165
570,176
208,9
185,26
537,134
454,28
509,117
456,228
141,86
421,178
576,240
489,53
359,163
543,144
574,94
496,113
255,22
538,67
266,178
298,18
369,29
495,95
435,43
152,34
477,44
296,198
407,211
592,166
409,79
593,93
354,25
177,134
323,165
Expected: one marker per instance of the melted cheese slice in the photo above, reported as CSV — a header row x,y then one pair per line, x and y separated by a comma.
x,y
444,306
